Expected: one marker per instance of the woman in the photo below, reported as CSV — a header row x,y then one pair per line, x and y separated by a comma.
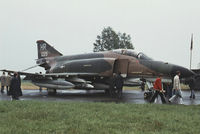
x,y
15,87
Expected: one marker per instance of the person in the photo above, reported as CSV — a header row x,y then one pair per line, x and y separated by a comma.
x,y
117,85
143,82
177,89
168,88
158,90
40,88
15,87
8,80
143,85
119,81
3,82
192,86
19,79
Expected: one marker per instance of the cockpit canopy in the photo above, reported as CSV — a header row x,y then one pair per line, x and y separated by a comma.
x,y
132,53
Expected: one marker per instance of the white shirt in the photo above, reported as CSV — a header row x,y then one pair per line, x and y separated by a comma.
x,y
176,84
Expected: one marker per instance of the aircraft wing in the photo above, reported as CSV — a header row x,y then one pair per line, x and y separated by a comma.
x,y
57,75
21,73
164,80
69,74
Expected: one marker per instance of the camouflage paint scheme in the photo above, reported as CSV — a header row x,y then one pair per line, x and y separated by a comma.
x,y
128,62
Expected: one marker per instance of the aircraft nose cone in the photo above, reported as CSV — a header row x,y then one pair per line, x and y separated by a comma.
x,y
184,71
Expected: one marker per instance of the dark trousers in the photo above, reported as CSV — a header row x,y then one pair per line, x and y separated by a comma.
x,y
156,95
192,94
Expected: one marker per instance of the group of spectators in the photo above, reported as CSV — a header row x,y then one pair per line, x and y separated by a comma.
x,y
13,87
176,90
12,84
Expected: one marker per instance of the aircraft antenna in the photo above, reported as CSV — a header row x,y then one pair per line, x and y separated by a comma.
x,y
29,68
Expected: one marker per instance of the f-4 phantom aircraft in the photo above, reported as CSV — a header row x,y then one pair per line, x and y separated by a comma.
x,y
95,70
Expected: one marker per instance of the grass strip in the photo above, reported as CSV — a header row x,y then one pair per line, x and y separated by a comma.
x,y
34,117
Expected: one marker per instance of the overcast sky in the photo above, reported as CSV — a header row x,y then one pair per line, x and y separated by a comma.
x,y
160,28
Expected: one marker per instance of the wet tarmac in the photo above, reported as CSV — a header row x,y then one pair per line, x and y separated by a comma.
x,y
129,96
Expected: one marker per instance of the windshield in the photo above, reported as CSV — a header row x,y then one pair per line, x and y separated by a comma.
x,y
132,53
126,52
143,56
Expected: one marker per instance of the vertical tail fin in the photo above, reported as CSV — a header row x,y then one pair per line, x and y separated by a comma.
x,y
46,50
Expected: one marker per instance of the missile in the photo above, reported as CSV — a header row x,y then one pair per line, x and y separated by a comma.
x,y
132,82
100,86
76,79
54,84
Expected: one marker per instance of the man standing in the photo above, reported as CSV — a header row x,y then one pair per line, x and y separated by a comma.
x,y
3,82
177,88
8,80
19,79
143,85
192,87
158,90
117,85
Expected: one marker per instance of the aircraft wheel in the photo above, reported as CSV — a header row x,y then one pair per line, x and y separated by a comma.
x,y
51,91
145,95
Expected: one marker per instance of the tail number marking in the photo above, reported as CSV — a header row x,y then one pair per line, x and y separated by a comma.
x,y
43,47
43,50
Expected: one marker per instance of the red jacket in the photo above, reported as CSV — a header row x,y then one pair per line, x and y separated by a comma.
x,y
157,84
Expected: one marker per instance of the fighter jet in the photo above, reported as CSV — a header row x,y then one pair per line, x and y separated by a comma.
x,y
97,70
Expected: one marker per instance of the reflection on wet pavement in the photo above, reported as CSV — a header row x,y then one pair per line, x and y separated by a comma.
x,y
129,96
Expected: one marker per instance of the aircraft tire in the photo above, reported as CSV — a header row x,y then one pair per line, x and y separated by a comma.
x,y
145,95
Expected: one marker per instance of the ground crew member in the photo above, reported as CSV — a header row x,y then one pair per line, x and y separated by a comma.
x,y
158,90
192,87
119,81
117,85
